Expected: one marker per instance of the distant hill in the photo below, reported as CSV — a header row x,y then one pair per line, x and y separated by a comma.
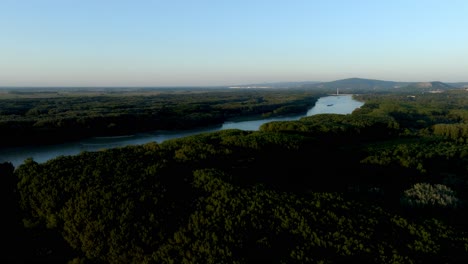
x,y
360,84
353,85
356,85
459,84
430,86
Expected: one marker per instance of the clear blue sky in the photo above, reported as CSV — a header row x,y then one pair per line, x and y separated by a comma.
x,y
201,42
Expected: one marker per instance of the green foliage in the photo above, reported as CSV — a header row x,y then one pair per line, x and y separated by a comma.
x,y
457,132
422,195
56,119
186,201
323,189
344,127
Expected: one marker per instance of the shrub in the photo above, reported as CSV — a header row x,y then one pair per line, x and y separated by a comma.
x,y
426,195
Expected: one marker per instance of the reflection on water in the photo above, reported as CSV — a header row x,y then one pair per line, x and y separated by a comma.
x,y
338,104
342,104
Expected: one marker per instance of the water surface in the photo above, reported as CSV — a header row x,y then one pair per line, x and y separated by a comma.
x,y
342,104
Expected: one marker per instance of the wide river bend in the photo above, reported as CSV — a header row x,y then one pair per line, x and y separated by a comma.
x,y
341,104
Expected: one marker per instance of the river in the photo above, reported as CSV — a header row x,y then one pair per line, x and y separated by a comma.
x,y
341,104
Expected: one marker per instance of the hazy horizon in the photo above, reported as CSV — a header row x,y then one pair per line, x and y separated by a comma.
x,y
207,86
56,43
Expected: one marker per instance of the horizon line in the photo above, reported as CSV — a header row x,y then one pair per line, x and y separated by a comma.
x,y
206,86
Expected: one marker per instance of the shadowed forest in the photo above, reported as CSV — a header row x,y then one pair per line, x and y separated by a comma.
x,y
385,184
32,117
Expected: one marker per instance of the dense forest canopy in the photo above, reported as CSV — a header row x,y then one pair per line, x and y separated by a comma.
x,y
385,184
28,117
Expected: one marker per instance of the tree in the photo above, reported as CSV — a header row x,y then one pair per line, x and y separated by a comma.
x,y
424,195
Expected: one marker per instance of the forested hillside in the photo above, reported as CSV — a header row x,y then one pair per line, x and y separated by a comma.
x,y
385,184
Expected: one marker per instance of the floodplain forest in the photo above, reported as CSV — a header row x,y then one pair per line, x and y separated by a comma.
x,y
385,184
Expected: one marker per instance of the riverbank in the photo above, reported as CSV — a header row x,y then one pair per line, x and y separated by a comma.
x,y
42,121
42,153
